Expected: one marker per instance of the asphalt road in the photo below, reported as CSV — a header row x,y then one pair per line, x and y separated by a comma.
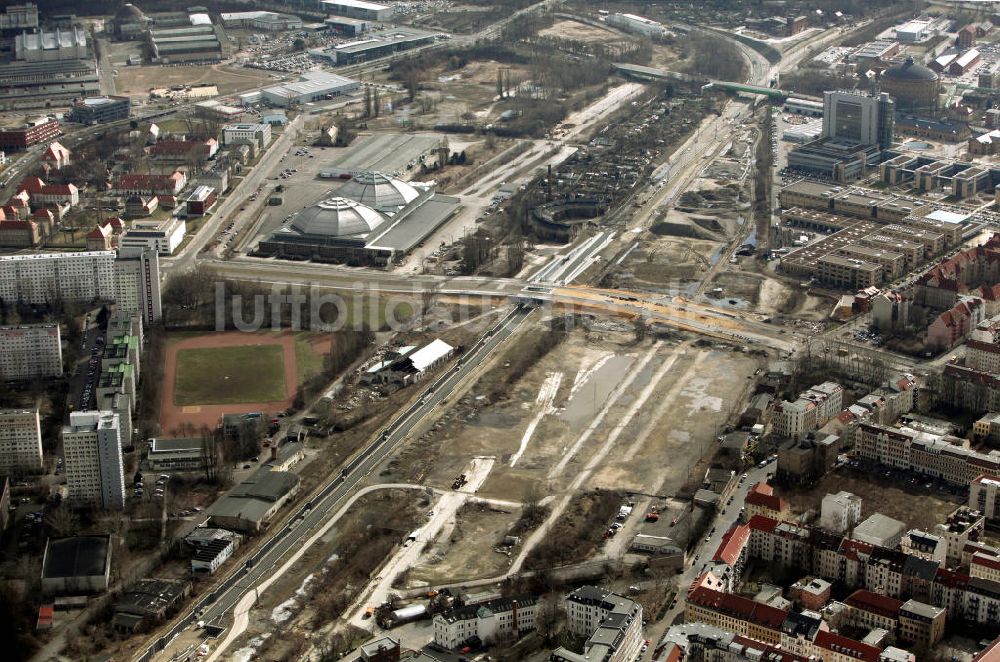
x,y
703,553
242,580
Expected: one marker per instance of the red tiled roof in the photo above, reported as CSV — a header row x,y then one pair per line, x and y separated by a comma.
x,y
148,181
950,578
854,548
845,646
875,603
769,501
31,184
763,523
986,561
42,212
762,487
99,232
180,147
58,189
981,477
55,151
17,225
733,542
989,654
739,607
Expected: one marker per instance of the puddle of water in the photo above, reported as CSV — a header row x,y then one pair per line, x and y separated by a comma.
x,y
727,302
593,393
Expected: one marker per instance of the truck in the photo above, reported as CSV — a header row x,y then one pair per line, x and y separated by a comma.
x,y
624,512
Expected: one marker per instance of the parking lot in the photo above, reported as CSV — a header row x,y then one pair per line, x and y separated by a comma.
x,y
83,381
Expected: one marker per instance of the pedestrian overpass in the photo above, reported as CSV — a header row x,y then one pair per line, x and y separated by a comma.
x,y
651,73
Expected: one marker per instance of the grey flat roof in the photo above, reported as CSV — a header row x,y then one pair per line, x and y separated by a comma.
x,y
172,445
418,224
252,498
385,152
879,526
79,556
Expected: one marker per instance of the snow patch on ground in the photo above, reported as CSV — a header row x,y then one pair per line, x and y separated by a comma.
x,y
247,653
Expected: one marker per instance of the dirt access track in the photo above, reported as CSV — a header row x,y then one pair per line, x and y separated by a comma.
x,y
172,416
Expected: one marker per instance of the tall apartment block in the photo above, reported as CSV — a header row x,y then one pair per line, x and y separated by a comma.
x,y
20,441
130,278
43,277
30,351
137,273
92,447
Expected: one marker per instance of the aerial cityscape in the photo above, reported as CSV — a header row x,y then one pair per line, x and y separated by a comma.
x,y
510,330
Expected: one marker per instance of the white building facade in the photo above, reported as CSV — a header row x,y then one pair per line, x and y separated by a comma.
x,y
256,133
92,446
840,512
47,277
503,619
162,237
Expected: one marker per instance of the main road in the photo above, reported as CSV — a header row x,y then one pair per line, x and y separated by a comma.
x,y
328,498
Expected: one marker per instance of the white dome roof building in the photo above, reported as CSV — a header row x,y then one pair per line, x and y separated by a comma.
x,y
336,217
370,220
380,191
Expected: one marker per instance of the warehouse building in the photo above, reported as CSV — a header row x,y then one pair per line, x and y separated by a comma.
x,y
39,84
637,25
385,43
194,43
357,9
147,602
63,44
19,17
213,547
312,86
79,564
267,21
98,110
347,26
254,502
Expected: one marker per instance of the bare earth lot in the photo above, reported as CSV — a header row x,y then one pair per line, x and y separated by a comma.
x,y
137,81
575,31
916,506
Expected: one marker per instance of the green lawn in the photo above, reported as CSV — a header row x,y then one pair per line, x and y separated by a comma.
x,y
229,375
307,361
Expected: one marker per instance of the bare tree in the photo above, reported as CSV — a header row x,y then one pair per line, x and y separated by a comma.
x,y
63,522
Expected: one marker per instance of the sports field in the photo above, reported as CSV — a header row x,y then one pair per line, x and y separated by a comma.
x,y
207,375
228,375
